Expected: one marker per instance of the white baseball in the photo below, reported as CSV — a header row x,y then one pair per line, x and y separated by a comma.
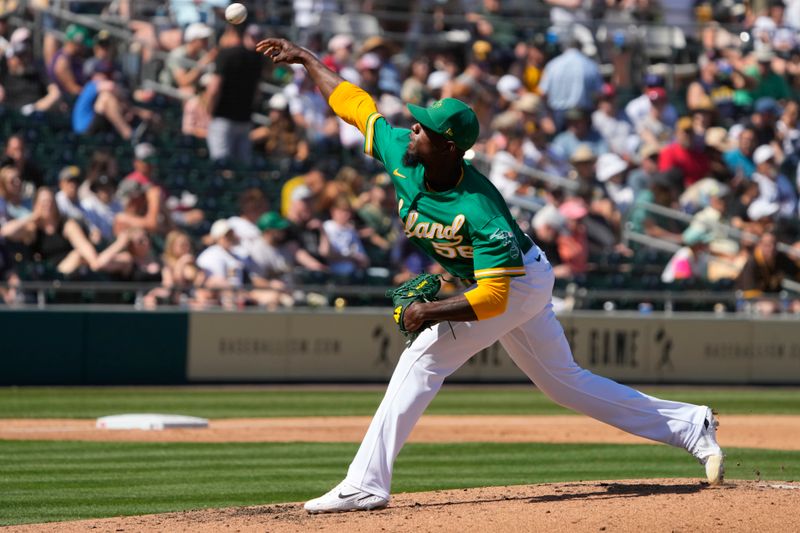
x,y
235,13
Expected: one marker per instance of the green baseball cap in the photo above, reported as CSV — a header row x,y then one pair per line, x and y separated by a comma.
x,y
452,119
272,220
78,34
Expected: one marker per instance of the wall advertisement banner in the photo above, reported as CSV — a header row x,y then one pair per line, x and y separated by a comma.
x,y
365,346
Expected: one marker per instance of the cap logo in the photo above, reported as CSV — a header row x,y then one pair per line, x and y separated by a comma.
x,y
449,132
436,105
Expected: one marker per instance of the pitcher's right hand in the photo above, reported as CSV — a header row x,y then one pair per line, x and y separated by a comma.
x,y
281,51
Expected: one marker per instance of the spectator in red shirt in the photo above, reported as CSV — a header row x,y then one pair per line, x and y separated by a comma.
x,y
687,153
573,244
340,52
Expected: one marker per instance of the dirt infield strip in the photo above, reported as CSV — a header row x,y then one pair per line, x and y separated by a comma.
x,y
651,505
760,431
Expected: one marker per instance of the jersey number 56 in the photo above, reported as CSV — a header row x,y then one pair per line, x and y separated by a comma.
x,y
451,250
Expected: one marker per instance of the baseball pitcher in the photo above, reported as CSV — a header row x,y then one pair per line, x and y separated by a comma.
x,y
454,214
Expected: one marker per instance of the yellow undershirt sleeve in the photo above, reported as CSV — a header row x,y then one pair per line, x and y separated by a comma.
x,y
490,297
353,105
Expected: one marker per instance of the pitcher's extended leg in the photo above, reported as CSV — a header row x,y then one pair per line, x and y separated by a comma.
x,y
417,378
541,350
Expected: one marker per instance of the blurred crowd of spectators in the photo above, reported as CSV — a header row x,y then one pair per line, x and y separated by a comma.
x,y
575,97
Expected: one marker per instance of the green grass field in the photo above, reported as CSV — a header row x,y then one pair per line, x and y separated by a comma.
x,y
80,402
42,481
46,481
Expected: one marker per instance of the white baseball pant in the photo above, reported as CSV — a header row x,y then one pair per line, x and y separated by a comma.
x,y
533,337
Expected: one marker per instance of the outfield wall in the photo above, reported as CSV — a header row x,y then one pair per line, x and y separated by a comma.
x,y
85,346
42,347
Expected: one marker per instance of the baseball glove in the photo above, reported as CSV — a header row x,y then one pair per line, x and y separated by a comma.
x,y
423,288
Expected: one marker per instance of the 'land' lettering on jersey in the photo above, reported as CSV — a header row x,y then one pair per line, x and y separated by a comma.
x,y
467,229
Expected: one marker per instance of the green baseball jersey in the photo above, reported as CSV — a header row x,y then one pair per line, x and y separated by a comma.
x,y
467,229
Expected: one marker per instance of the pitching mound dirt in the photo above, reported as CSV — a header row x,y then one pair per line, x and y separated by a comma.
x,y
649,505
762,431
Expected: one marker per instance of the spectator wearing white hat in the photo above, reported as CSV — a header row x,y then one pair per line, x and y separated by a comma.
x,y
282,138
219,261
369,67
773,186
438,81
187,63
762,32
225,271
762,213
510,89
340,55
611,171
547,224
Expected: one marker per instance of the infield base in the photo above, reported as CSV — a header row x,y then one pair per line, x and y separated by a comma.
x,y
148,421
